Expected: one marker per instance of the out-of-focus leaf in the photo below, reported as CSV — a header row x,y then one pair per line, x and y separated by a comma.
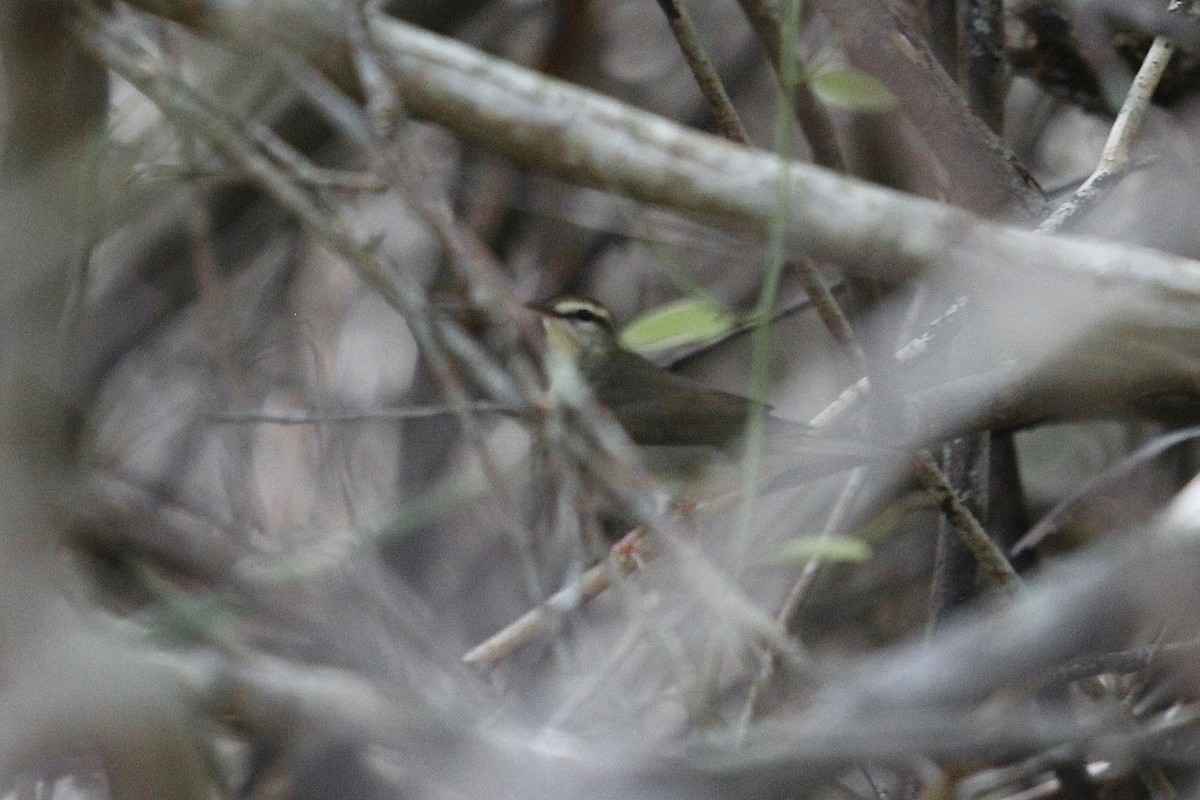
x,y
854,89
834,548
690,321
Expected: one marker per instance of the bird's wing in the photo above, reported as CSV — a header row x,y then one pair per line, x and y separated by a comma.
x,y
657,407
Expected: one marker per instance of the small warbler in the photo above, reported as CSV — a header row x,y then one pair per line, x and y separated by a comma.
x,y
690,437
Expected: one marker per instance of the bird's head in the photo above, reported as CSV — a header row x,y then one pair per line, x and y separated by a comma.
x,y
578,329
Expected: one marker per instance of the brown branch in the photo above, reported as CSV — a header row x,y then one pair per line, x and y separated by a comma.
x,y
1116,158
593,140
972,534
538,621
981,65
827,306
984,175
810,113
728,120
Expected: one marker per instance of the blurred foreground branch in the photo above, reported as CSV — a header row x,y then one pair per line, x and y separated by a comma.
x,y
583,137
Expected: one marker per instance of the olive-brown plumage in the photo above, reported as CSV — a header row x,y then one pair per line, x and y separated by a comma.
x,y
683,428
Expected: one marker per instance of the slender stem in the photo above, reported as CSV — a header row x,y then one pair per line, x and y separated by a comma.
x,y
981,64
779,45
826,305
602,143
702,67
986,552
767,298
966,461
941,29
315,417
1115,159
799,591
537,621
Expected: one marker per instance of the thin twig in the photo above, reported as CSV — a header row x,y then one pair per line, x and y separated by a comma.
x,y
1134,660
600,142
1115,159
385,109
830,311
1056,517
316,416
966,461
313,176
826,305
537,621
799,590
157,81
727,118
810,113
844,404
731,125
981,64
828,308
986,552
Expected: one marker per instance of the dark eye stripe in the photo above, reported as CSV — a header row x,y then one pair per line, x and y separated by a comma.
x,y
583,315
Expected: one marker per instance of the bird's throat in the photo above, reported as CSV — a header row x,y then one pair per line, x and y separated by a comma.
x,y
563,355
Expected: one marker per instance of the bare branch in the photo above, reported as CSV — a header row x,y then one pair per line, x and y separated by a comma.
x,y
1116,158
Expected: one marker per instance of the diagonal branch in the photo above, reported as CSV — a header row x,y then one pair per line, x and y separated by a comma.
x,y
586,138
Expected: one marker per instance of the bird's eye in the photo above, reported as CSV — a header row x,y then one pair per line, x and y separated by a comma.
x,y
583,315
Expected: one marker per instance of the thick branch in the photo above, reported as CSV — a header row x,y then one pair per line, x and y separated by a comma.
x,y
586,138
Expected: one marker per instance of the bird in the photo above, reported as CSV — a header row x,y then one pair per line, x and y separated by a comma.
x,y
690,437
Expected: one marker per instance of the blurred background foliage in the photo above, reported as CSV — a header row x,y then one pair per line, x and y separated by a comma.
x,y
277,451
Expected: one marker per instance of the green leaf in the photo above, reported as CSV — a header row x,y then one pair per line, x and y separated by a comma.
x,y
854,89
690,321
834,548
